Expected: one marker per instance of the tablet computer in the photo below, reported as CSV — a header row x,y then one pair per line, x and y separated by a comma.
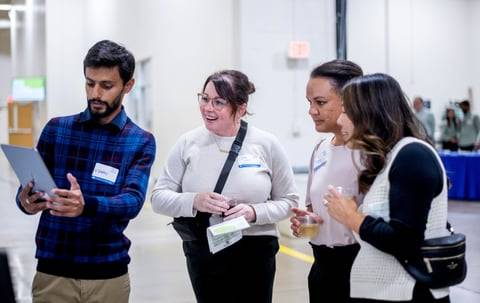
x,y
28,165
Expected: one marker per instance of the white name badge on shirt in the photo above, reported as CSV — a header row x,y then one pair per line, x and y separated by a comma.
x,y
105,173
245,161
320,161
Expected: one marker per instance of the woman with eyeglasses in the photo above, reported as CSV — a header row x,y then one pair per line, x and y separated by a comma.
x,y
261,181
405,188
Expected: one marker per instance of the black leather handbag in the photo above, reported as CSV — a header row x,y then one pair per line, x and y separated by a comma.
x,y
441,262
192,229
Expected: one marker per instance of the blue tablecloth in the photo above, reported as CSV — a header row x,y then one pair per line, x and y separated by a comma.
x,y
463,170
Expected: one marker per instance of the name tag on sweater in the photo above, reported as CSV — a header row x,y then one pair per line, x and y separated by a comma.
x,y
105,173
320,161
245,161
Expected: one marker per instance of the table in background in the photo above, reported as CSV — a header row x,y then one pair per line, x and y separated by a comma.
x,y
463,170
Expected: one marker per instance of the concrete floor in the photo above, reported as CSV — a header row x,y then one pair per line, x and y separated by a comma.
x,y
158,272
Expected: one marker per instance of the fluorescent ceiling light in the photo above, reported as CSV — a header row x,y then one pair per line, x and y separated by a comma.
x,y
5,7
8,7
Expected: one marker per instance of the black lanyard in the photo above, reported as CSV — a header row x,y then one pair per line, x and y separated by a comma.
x,y
232,156
191,229
203,218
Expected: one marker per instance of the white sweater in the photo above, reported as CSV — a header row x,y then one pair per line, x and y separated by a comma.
x,y
261,175
378,275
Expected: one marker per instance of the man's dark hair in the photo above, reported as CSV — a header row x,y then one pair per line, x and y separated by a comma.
x,y
465,103
338,72
107,53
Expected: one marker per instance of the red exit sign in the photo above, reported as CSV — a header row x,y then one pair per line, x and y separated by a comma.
x,y
299,49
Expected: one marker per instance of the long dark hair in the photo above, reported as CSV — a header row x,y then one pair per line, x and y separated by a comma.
x,y
451,120
381,116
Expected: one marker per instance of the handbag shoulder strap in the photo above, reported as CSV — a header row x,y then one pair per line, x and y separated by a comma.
x,y
232,156
202,218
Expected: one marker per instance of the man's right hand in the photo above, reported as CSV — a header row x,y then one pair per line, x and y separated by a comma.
x,y
210,203
295,226
31,203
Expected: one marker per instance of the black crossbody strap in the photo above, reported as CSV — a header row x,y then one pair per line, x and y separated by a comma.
x,y
191,229
232,156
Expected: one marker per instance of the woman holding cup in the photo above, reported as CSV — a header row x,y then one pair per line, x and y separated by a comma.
x,y
333,244
405,189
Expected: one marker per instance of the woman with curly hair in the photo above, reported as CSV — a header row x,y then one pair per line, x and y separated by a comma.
x,y
405,190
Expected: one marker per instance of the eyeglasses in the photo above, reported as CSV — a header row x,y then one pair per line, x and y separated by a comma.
x,y
217,103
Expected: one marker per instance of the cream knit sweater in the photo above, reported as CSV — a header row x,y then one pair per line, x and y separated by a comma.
x,y
261,176
378,275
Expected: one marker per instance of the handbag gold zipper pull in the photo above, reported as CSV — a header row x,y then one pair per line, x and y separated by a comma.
x,y
428,265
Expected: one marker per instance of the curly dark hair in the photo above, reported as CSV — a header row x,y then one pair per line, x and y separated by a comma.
x,y
381,115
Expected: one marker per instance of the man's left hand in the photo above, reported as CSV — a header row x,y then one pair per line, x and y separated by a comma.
x,y
68,203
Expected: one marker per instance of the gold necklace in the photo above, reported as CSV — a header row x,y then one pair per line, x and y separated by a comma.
x,y
222,150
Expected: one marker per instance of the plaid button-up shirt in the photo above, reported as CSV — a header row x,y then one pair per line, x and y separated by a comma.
x,y
75,144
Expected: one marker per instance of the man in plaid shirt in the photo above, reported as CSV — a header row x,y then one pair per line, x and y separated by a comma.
x,y
100,161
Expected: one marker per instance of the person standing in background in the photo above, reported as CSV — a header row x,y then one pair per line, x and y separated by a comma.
x,y
469,136
425,116
100,160
450,129
334,247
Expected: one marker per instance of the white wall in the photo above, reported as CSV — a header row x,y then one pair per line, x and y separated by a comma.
x,y
5,81
366,39
29,51
65,45
186,41
430,46
5,66
424,44
279,104
474,54
5,75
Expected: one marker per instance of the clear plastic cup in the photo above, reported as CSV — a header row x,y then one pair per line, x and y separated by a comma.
x,y
347,192
308,227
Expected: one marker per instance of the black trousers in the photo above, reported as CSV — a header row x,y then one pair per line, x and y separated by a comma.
x,y
467,148
446,145
421,294
243,272
329,278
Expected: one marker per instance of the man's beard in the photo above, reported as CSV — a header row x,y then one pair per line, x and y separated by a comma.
x,y
109,108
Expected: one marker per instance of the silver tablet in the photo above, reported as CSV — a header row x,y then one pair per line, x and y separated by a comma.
x,y
29,166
